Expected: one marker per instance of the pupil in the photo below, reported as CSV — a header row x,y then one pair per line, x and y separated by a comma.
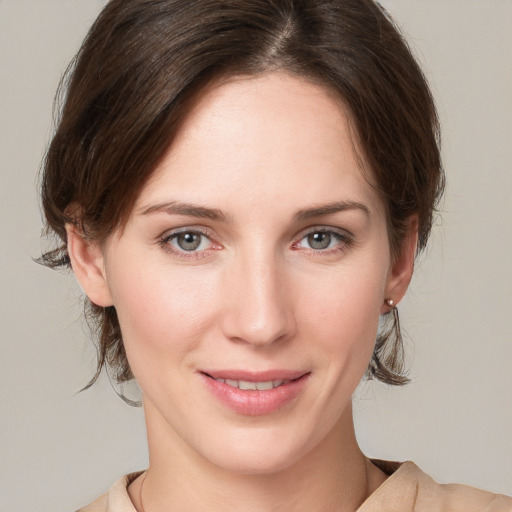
x,y
189,241
319,240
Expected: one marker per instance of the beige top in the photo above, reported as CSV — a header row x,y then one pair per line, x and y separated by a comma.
x,y
407,489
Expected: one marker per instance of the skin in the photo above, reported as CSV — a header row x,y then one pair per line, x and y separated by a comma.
x,y
254,295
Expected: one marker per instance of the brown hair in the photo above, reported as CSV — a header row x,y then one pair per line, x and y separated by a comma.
x,y
143,61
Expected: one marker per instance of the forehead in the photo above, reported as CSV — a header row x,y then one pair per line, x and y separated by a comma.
x,y
260,138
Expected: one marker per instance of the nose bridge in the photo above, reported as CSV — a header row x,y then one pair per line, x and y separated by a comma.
x,y
260,308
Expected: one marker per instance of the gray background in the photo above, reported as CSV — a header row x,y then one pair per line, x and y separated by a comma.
x,y
59,449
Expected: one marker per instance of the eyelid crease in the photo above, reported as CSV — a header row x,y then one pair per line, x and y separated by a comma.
x,y
173,233
340,232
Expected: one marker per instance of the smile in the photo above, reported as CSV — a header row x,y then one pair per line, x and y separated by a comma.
x,y
255,394
260,386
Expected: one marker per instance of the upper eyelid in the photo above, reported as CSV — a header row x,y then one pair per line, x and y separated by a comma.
x,y
324,229
187,229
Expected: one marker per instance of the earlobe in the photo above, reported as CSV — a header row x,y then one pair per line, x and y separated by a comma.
x,y
87,261
400,273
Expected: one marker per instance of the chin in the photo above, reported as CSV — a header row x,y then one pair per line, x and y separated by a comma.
x,y
252,452
256,464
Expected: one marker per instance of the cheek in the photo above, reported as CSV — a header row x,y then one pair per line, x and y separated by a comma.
x,y
161,309
343,313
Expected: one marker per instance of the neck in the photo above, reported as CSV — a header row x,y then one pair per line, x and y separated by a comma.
x,y
333,476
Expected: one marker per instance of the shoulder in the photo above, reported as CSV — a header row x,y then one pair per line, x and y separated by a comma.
x,y
116,499
99,505
436,497
409,489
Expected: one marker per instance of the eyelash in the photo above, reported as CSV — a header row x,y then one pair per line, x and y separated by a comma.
x,y
165,243
343,239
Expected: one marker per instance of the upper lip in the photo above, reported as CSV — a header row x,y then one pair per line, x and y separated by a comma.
x,y
255,376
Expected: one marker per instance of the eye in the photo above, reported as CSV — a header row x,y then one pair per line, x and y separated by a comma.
x,y
323,240
188,241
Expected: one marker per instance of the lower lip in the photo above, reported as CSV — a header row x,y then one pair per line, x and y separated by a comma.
x,y
251,402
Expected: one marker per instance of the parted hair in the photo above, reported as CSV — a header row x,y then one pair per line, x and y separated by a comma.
x,y
144,62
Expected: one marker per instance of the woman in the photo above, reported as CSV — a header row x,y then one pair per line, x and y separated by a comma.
x,y
241,189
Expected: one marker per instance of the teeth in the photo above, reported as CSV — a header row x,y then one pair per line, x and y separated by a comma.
x,y
260,386
243,384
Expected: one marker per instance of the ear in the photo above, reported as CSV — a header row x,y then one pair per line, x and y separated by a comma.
x,y
87,260
402,266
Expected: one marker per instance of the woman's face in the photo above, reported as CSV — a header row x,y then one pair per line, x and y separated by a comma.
x,y
256,257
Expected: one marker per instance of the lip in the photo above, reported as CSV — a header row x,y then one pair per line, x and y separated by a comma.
x,y
251,376
251,402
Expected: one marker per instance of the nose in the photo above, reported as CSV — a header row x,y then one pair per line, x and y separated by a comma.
x,y
259,303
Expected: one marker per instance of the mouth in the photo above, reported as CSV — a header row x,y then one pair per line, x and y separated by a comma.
x,y
255,393
259,386
249,380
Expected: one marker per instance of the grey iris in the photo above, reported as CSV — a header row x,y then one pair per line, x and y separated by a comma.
x,y
319,240
188,241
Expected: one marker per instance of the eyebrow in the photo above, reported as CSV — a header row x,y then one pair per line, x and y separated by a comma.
x,y
188,209
330,209
195,210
